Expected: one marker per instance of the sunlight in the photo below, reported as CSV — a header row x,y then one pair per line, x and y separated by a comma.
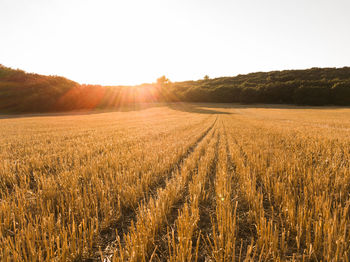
x,y
132,42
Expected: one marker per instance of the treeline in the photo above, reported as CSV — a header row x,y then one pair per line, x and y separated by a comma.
x,y
25,92
22,92
315,86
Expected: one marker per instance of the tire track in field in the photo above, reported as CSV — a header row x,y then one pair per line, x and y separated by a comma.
x,y
207,207
154,216
129,215
246,229
248,232
162,241
177,166
202,223
220,239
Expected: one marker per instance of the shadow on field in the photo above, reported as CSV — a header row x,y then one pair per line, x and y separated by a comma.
x,y
201,108
197,108
269,106
51,114
129,108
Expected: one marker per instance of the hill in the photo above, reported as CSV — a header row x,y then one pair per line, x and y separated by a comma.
x,y
315,86
27,92
21,91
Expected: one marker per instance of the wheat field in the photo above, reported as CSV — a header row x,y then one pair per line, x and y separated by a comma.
x,y
176,182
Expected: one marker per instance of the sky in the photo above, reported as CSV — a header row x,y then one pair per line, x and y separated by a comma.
x,y
127,42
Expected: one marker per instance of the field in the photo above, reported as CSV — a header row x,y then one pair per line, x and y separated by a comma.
x,y
177,182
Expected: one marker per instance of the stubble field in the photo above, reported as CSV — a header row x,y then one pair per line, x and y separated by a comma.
x,y
177,182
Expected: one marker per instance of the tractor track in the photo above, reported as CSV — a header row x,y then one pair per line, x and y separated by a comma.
x,y
120,228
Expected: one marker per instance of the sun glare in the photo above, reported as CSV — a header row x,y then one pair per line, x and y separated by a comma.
x,y
132,42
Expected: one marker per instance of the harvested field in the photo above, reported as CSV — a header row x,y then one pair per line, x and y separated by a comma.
x,y
177,182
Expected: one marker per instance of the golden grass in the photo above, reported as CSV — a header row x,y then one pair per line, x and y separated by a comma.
x,y
178,183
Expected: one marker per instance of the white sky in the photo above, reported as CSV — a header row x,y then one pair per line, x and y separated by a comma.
x,y
136,41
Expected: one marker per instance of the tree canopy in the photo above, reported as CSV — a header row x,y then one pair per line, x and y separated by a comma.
x,y
26,92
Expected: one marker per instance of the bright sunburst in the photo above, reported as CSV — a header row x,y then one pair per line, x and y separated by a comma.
x,y
132,42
